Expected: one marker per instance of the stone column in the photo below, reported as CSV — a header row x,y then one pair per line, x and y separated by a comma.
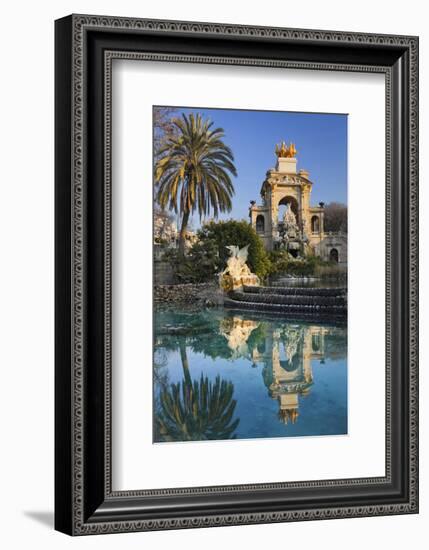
x,y
273,214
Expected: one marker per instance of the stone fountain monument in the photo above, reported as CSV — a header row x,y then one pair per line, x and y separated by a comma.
x,y
237,273
290,237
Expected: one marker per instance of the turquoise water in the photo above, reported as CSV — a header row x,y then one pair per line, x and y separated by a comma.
x,y
221,374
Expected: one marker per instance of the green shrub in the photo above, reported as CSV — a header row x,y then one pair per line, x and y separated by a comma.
x,y
199,265
279,261
282,263
238,233
208,255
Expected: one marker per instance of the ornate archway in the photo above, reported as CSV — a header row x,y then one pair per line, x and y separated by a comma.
x,y
294,207
333,255
260,223
315,224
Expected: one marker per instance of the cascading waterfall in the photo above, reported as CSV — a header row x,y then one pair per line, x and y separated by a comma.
x,y
294,302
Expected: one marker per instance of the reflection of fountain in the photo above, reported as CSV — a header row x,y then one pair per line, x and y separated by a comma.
x,y
286,353
288,411
237,331
291,338
287,368
292,375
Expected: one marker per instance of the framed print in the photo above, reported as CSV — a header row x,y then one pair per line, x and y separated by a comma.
x,y
236,275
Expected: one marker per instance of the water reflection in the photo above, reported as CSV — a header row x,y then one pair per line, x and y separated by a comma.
x,y
221,375
192,410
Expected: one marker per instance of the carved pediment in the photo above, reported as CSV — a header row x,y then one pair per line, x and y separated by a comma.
x,y
286,180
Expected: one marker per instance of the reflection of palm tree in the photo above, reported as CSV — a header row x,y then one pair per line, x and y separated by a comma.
x,y
196,410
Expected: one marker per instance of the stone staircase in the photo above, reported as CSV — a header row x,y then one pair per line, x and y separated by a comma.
x,y
307,303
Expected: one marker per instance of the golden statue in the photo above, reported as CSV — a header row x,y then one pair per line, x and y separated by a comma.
x,y
288,415
284,151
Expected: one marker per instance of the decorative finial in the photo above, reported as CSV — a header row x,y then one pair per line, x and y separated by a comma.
x,y
285,151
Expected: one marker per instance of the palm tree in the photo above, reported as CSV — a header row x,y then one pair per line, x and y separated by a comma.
x,y
196,410
193,171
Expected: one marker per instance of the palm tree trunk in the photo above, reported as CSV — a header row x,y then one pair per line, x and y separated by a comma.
x,y
182,233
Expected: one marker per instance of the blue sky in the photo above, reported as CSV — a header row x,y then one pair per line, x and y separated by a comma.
x,y
321,141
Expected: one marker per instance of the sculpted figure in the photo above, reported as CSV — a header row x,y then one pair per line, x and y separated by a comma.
x,y
285,151
237,272
236,264
289,218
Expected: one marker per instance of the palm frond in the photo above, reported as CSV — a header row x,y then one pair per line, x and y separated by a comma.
x,y
194,168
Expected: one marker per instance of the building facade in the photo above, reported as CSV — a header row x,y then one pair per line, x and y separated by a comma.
x,y
286,219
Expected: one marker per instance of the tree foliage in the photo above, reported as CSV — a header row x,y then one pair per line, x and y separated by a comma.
x,y
335,217
193,171
200,264
239,233
163,226
283,264
208,255
162,126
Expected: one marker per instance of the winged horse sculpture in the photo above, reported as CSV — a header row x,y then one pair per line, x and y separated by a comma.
x,y
236,264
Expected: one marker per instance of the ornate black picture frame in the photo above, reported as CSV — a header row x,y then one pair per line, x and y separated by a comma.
x,y
85,503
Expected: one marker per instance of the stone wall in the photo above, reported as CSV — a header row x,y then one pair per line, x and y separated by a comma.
x,y
337,241
163,272
204,294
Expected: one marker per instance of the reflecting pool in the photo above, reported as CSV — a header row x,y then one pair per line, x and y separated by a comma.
x,y
229,374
